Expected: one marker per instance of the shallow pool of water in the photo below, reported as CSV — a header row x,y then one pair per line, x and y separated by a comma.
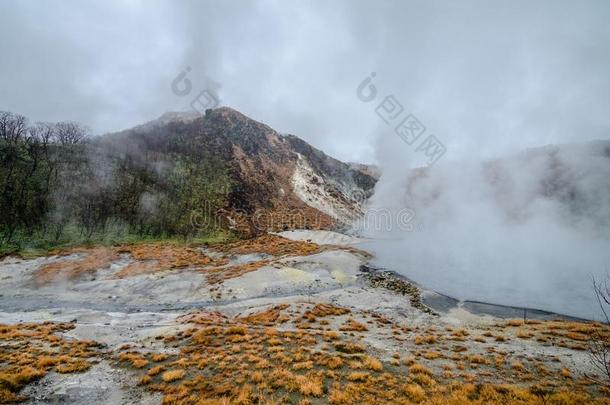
x,y
561,287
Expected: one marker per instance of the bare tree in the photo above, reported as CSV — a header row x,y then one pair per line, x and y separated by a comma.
x,y
70,133
599,342
12,127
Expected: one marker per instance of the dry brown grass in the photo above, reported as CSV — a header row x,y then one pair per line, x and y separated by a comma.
x,y
173,375
7,396
93,260
349,347
21,376
428,339
353,326
257,377
158,357
29,350
419,369
219,274
75,366
324,310
337,396
334,362
431,355
267,365
331,335
414,392
268,317
477,359
153,257
236,330
146,379
572,335
309,385
514,322
134,358
424,380
358,376
149,258
372,363
273,245
155,370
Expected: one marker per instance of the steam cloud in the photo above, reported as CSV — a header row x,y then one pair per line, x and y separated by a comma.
x,y
529,230
485,77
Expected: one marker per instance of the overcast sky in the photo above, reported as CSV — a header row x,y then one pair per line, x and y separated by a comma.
x,y
483,76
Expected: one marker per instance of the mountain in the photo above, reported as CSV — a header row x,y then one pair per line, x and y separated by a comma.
x,y
276,181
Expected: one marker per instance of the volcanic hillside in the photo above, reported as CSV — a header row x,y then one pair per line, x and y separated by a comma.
x,y
275,182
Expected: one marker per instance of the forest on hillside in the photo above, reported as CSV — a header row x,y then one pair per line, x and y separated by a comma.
x,y
60,185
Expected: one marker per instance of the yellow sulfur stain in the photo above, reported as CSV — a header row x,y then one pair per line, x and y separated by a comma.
x,y
340,276
292,274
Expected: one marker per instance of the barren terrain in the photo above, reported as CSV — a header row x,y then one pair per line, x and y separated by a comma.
x,y
296,317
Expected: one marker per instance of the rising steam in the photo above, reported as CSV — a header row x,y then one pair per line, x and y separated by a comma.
x,y
527,230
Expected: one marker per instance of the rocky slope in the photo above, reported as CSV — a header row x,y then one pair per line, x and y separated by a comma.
x,y
278,181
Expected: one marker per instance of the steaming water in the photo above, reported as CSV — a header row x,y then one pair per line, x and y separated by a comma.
x,y
530,230
563,288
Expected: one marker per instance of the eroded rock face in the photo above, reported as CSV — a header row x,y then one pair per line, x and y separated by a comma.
x,y
290,183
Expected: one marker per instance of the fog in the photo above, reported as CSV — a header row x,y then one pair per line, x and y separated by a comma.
x,y
530,230
487,79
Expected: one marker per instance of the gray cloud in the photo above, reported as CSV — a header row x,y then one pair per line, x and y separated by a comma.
x,y
485,77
